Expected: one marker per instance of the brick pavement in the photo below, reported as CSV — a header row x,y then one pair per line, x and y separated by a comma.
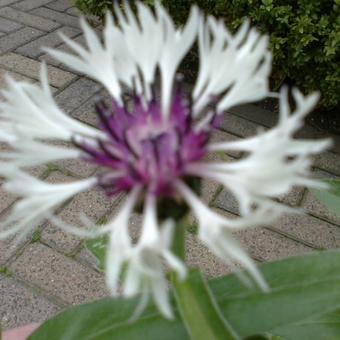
x,y
49,269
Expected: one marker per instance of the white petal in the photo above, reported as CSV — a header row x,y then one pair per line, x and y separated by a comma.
x,y
239,65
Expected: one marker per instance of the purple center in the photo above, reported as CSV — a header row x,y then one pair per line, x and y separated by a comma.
x,y
144,148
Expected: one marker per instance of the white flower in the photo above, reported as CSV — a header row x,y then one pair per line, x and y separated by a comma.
x,y
151,148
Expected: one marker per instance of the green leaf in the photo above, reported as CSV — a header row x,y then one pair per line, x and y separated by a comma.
x,y
331,198
97,246
199,310
326,327
303,289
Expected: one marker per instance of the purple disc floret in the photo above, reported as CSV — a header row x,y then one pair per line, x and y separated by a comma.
x,y
142,147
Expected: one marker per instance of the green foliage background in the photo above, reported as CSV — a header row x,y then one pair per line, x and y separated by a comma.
x,y
305,36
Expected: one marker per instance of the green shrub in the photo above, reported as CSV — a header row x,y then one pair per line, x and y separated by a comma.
x,y
305,36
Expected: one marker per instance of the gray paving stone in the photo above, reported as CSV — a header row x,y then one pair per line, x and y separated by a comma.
x,y
20,306
198,255
4,3
328,161
226,201
76,94
28,19
27,5
87,113
64,48
238,126
59,276
8,26
18,38
219,136
62,18
316,232
74,11
266,245
255,114
31,68
6,199
293,197
314,207
93,203
10,247
34,48
77,167
60,5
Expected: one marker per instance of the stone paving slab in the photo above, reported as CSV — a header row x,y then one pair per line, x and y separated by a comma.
x,y
18,38
76,94
61,18
59,5
31,68
58,276
34,49
93,203
28,19
8,26
316,232
21,305
27,5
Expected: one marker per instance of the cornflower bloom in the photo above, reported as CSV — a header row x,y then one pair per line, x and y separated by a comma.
x,y
152,145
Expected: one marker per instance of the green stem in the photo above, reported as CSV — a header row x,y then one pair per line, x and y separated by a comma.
x,y
196,303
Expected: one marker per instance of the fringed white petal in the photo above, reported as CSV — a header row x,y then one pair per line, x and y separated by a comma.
x,y
214,231
38,198
31,153
30,112
98,62
176,44
144,260
238,65
275,162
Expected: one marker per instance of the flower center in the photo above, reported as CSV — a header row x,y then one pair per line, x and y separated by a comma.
x,y
143,147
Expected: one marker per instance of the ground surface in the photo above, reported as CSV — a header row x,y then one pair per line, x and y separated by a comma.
x,y
51,270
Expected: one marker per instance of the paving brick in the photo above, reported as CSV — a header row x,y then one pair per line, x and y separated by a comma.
x,y
316,232
6,199
27,5
86,113
34,48
74,11
18,38
28,19
238,126
16,76
311,204
8,26
60,5
219,136
266,245
198,255
77,167
31,68
4,3
76,94
62,18
59,276
64,48
314,207
226,201
20,306
328,161
93,203
293,197
10,247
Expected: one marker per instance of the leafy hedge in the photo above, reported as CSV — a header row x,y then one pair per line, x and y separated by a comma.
x,y
305,36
